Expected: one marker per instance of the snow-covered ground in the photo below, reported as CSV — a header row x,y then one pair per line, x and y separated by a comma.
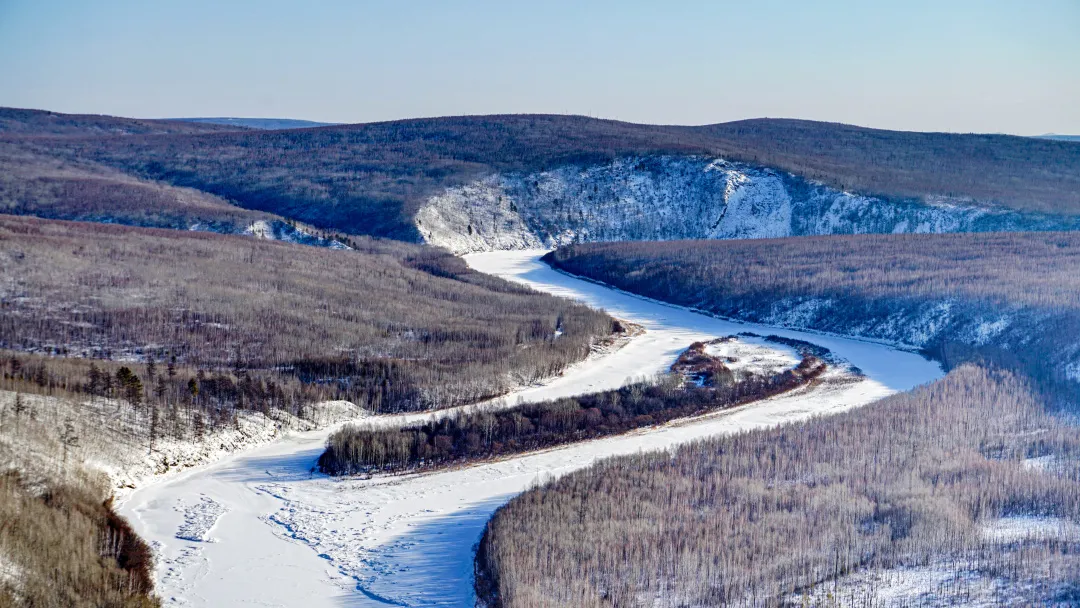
x,y
283,536
947,582
754,355
930,586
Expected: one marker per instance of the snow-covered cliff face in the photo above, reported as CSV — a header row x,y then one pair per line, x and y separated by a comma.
x,y
678,197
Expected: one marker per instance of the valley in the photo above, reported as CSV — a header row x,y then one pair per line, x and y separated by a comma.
x,y
408,540
200,320
539,305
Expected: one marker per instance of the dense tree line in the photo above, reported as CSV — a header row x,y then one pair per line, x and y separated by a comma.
x,y
371,178
32,183
356,449
389,326
701,368
762,518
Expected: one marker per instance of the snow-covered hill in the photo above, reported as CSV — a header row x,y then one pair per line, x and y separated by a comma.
x,y
676,197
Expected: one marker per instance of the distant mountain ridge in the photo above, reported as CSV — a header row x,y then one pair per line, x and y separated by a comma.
x,y
266,124
21,122
561,175
1060,137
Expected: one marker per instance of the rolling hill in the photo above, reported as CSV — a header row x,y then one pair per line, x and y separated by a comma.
x,y
375,178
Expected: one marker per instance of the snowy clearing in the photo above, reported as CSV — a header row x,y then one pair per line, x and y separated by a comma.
x,y
938,584
285,536
1029,527
754,355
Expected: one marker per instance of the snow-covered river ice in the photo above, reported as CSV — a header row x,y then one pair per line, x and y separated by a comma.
x,y
259,529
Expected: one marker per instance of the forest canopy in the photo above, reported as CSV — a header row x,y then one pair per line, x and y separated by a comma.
x,y
390,326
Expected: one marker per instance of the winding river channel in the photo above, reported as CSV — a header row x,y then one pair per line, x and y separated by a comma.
x,y
259,529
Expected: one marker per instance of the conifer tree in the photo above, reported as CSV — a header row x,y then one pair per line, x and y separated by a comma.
x,y
69,438
93,382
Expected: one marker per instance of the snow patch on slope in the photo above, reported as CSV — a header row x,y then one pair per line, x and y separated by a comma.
x,y
930,586
273,230
1072,371
290,233
755,206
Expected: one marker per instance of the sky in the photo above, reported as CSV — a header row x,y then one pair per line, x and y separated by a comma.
x,y
946,65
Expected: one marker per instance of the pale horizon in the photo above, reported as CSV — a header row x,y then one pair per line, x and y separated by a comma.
x,y
968,67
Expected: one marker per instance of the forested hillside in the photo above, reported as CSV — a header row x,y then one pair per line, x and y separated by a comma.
x,y
37,184
1011,298
963,489
64,545
913,164
373,178
389,326
962,492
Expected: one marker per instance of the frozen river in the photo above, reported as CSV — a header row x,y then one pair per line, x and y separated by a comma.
x,y
258,529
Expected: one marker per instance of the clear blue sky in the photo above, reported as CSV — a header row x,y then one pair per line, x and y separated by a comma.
x,y
952,65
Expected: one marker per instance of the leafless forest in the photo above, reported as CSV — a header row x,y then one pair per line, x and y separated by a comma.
x,y
39,185
63,546
176,336
765,518
1012,299
1012,269
355,449
61,542
370,178
796,515
391,327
